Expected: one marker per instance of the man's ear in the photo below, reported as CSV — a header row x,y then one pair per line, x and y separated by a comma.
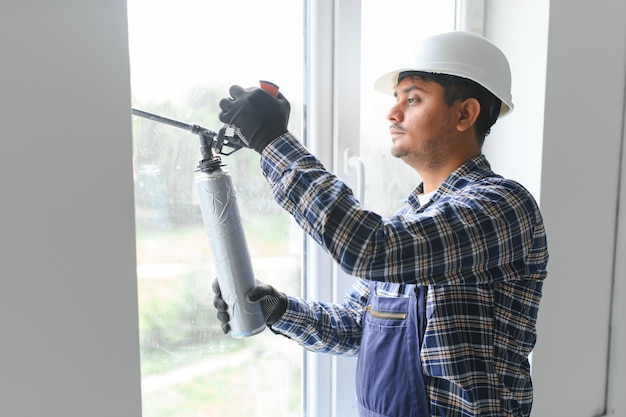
x,y
469,111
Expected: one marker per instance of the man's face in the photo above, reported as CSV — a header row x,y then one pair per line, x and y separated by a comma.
x,y
423,126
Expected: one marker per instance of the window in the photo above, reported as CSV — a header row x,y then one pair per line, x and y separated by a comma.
x,y
184,56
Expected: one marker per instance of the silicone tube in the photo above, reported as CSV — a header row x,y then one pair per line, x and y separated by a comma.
x,y
229,248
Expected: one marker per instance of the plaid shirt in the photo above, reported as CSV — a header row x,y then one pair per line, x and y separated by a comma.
x,y
480,247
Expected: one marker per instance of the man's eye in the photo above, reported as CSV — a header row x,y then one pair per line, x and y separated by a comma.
x,y
412,100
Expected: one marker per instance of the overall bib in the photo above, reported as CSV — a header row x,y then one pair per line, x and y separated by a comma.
x,y
389,380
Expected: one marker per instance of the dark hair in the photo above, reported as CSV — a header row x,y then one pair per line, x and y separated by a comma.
x,y
458,88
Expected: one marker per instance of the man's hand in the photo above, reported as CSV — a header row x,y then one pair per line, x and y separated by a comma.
x,y
221,306
256,114
273,303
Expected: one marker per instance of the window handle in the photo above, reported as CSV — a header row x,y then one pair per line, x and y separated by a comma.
x,y
353,163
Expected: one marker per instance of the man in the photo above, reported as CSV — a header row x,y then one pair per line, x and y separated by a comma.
x,y
442,313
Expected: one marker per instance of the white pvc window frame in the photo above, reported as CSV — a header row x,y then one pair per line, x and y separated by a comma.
x,y
470,16
333,61
329,380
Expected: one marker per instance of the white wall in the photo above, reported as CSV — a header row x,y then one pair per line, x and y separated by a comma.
x,y
68,315
567,150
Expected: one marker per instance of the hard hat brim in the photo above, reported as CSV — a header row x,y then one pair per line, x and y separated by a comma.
x,y
386,84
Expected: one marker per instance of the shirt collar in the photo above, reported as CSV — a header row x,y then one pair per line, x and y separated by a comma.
x,y
468,172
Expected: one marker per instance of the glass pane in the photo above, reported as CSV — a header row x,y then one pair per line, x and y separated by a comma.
x,y
184,56
386,43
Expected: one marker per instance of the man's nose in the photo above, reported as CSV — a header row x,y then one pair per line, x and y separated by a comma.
x,y
395,114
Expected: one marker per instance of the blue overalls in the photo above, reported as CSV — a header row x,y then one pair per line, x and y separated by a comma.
x,y
389,379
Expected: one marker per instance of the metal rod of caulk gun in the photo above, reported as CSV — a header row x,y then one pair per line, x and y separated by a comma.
x,y
171,122
162,119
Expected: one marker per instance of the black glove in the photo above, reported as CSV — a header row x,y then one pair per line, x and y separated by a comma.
x,y
259,116
273,303
221,306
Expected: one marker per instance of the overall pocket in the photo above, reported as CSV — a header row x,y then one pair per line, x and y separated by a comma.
x,y
386,369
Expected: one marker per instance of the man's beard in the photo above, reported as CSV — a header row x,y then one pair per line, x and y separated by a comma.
x,y
430,155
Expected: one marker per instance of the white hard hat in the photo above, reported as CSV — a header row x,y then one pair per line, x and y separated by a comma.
x,y
463,54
